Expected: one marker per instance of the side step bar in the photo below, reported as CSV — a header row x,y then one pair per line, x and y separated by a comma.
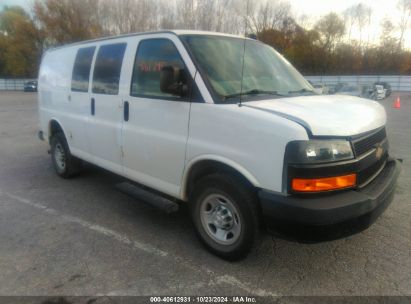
x,y
141,194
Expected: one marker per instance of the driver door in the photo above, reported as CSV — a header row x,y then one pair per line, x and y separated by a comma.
x,y
155,129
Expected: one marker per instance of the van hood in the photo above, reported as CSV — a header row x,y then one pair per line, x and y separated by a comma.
x,y
327,115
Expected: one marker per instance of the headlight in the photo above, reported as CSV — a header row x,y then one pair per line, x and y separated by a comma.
x,y
318,151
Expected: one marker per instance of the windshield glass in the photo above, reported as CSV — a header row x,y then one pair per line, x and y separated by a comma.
x,y
266,73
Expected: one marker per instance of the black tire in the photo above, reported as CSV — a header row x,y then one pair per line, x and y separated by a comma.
x,y
243,198
70,165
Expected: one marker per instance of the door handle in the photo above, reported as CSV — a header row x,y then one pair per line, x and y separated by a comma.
x,y
93,106
126,111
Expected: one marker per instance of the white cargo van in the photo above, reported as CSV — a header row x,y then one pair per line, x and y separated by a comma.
x,y
223,123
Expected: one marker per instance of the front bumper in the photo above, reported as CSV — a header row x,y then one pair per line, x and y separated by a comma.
x,y
333,208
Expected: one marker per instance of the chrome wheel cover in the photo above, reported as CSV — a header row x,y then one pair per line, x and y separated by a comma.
x,y
60,157
220,219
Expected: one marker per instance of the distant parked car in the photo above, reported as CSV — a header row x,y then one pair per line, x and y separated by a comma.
x,y
386,86
337,87
30,86
367,91
320,88
380,92
331,88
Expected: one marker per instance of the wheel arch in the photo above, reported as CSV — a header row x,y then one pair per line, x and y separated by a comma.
x,y
54,126
208,164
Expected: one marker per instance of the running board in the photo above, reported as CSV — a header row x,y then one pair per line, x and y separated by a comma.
x,y
155,200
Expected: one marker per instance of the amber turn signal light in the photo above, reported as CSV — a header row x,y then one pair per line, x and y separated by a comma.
x,y
323,184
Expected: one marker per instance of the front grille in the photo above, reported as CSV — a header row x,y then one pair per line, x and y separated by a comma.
x,y
366,175
368,142
379,181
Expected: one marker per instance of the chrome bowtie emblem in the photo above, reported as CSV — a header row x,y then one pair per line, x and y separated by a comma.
x,y
379,151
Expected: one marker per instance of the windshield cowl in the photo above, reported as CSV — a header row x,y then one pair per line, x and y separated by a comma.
x,y
251,93
255,95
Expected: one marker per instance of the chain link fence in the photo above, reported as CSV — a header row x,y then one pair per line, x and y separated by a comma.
x,y
11,84
398,83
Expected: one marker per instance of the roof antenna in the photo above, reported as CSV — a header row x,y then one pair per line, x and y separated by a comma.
x,y
245,38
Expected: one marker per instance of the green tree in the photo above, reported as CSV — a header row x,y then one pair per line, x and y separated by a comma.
x,y
9,17
2,59
20,43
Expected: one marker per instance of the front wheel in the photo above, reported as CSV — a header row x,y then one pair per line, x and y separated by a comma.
x,y
225,215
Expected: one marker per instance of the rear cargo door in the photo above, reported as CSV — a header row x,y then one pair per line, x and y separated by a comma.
x,y
79,99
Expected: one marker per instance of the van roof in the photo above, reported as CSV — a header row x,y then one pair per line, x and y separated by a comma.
x,y
175,32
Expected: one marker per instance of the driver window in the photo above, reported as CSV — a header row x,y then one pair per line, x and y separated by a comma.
x,y
152,55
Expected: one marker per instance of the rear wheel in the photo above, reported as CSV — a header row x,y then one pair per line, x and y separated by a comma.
x,y
64,163
225,215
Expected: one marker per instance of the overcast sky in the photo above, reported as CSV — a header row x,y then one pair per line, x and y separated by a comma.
x,y
23,3
315,9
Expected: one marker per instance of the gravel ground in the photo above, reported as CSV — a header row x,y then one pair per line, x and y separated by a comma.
x,y
83,237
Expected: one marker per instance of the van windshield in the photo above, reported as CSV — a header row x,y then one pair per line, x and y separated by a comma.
x,y
266,73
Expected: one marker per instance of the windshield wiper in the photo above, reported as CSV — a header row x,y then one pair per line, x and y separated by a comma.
x,y
252,92
303,90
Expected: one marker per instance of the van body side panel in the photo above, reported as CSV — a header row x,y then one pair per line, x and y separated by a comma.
x,y
253,140
53,88
56,101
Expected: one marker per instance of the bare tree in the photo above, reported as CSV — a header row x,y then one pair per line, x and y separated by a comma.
x,y
187,12
358,15
168,14
232,14
405,7
220,14
90,18
362,15
387,39
269,15
125,16
350,18
368,14
205,14
331,28
305,21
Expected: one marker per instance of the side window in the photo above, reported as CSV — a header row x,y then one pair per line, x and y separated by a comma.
x,y
81,69
152,55
107,68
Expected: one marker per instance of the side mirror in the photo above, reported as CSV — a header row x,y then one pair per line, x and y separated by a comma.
x,y
172,81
